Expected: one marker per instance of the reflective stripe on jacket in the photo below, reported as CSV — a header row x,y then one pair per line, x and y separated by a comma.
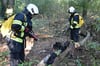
x,y
18,27
74,21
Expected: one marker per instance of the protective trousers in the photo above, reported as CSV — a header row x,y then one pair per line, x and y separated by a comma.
x,y
74,34
16,53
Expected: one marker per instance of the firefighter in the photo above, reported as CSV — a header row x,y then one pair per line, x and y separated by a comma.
x,y
20,28
58,48
74,20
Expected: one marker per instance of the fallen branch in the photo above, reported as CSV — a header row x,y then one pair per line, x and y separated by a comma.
x,y
63,55
70,48
82,42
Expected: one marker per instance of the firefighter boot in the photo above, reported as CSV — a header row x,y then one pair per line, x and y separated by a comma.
x,y
77,45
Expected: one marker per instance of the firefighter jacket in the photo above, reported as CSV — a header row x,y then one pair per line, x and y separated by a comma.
x,y
74,21
20,22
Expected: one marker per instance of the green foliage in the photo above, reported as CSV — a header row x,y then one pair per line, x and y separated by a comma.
x,y
54,8
51,8
29,63
19,5
26,64
95,62
95,6
58,8
3,55
80,5
78,62
97,25
93,45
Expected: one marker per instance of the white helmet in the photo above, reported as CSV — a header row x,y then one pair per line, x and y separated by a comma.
x,y
33,9
71,9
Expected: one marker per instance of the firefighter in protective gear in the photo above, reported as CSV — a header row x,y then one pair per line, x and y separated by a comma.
x,y
58,48
18,33
74,20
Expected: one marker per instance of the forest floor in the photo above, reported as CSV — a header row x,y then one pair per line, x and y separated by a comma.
x,y
81,57
41,48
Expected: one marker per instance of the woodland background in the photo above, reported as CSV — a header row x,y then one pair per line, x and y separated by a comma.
x,y
50,25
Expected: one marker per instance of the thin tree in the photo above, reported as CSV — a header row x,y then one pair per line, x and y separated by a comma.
x,y
6,4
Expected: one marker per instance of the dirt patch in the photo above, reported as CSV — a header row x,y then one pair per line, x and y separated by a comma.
x,y
43,46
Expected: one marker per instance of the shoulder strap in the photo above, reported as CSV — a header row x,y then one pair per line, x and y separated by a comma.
x,y
24,16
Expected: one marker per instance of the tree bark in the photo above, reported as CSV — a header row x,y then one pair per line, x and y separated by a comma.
x,y
84,14
5,4
69,49
3,7
85,7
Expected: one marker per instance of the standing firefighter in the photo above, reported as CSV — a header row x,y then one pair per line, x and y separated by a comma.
x,y
21,27
76,22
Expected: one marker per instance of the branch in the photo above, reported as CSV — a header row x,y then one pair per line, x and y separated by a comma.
x,y
70,48
62,55
82,42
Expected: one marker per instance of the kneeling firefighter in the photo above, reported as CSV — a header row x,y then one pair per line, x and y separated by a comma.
x,y
21,27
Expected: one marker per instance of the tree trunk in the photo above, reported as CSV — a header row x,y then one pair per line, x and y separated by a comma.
x,y
5,4
69,49
11,3
84,14
3,7
85,7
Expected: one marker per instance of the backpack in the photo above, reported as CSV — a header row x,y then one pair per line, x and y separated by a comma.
x,y
81,21
6,26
